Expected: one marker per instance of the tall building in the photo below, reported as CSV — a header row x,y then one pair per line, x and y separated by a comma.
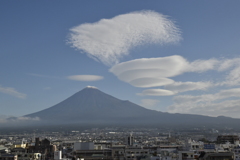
x,y
129,140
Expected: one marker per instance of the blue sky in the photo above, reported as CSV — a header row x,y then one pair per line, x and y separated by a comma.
x,y
170,56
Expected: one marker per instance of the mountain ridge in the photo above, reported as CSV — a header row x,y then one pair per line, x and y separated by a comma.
x,y
91,105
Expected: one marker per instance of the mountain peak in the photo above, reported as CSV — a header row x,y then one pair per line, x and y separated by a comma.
x,y
92,87
92,106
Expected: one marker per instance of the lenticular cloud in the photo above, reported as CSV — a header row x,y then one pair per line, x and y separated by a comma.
x,y
110,39
150,72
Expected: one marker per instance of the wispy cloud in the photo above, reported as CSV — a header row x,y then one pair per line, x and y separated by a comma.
x,y
41,75
209,104
149,103
85,77
188,86
72,77
203,65
12,92
13,120
108,40
156,92
177,87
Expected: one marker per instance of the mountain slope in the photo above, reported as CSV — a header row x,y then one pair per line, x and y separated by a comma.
x,y
91,102
90,105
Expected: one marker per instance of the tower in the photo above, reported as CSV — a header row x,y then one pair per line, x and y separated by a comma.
x,y
129,140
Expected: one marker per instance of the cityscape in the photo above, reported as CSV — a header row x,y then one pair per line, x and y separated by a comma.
x,y
60,134
119,80
121,143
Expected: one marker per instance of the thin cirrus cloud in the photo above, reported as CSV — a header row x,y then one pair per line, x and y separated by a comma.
x,y
150,82
209,104
42,76
108,40
72,77
85,77
12,92
13,120
188,86
149,103
156,92
177,87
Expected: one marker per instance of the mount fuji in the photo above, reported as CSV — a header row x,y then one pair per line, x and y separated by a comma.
x,y
92,106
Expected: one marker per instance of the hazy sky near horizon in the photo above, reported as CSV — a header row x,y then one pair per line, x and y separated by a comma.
x,y
170,56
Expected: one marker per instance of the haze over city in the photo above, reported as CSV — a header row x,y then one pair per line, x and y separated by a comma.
x,y
169,56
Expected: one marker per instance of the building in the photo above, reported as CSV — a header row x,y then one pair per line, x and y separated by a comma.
x,y
217,156
132,153
93,154
222,139
129,140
